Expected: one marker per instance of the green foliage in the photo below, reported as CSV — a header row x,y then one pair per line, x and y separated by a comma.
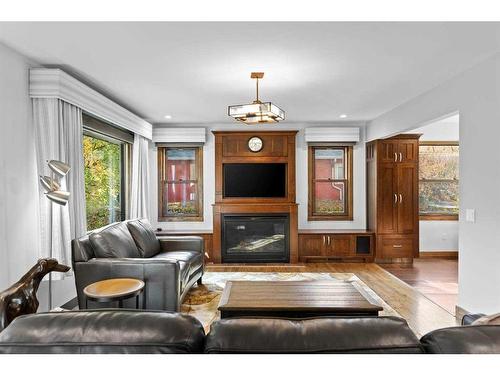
x,y
102,164
177,208
329,207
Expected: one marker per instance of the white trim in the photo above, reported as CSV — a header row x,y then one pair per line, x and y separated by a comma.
x,y
339,134
179,135
55,83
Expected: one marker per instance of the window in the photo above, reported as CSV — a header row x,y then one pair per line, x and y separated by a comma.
x,y
438,180
106,155
180,176
330,182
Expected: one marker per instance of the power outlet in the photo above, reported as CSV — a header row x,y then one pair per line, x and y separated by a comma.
x,y
470,215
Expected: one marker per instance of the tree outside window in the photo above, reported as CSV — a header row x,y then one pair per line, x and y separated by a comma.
x,y
438,180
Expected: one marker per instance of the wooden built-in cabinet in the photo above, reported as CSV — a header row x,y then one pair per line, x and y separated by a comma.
x,y
232,147
336,245
392,196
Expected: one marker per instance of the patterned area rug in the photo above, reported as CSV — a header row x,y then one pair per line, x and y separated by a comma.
x,y
202,301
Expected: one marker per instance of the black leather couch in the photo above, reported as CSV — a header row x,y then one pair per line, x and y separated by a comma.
x,y
132,331
169,266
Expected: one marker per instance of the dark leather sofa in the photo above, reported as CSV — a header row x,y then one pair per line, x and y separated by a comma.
x,y
169,266
132,331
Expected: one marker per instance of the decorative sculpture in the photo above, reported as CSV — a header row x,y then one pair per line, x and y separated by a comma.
x,y
20,298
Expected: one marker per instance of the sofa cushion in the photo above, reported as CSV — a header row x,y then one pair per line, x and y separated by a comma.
x,y
194,260
144,237
463,340
103,331
114,241
315,335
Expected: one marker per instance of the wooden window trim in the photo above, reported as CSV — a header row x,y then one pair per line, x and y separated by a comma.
x,y
199,171
438,217
348,215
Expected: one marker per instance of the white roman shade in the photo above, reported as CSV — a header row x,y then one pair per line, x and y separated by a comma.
x,y
179,135
337,134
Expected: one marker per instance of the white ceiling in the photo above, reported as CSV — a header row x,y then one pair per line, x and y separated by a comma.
x,y
314,71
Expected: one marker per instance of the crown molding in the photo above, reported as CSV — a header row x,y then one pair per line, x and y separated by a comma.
x,y
337,134
55,83
179,135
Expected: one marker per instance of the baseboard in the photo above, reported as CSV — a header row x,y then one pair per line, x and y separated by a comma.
x,y
452,254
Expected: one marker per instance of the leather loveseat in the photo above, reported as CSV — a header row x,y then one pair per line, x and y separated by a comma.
x,y
132,331
169,266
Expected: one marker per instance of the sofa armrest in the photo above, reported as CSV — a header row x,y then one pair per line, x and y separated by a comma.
x,y
161,277
468,319
184,243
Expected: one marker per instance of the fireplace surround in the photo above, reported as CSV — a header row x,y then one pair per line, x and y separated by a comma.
x,y
232,151
251,238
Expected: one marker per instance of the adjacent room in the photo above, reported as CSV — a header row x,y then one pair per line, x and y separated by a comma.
x,y
213,187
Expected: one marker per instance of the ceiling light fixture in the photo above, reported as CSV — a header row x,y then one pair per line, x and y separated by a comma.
x,y
257,112
168,117
343,115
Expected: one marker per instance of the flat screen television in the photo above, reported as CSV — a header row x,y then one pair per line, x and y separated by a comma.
x,y
254,180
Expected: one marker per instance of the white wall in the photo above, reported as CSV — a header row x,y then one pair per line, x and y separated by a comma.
x,y
438,235
475,95
19,248
18,177
359,203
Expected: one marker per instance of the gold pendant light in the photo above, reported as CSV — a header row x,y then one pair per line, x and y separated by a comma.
x,y
257,112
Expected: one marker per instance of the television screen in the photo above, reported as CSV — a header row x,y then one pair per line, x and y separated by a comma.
x,y
255,180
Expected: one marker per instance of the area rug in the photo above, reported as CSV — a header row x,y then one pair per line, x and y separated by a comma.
x,y
202,301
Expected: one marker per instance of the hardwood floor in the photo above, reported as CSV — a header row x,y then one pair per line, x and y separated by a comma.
x,y
421,313
435,278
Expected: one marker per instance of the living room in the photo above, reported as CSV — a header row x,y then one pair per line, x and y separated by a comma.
x,y
212,187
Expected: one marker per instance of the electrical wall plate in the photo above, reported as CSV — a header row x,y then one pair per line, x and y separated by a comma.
x,y
470,215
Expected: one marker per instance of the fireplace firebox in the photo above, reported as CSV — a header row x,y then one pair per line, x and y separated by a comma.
x,y
251,238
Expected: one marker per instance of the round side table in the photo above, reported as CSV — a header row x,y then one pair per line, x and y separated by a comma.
x,y
114,290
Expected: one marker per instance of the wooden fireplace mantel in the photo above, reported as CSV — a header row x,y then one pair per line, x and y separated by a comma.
x,y
232,147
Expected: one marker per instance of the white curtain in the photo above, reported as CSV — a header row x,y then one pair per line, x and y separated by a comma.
x,y
59,133
139,205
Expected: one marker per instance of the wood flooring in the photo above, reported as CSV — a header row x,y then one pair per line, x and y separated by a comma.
x,y
421,313
437,279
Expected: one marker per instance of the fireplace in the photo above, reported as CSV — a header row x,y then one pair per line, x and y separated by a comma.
x,y
255,238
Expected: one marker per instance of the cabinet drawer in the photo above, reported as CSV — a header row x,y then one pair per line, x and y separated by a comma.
x,y
395,246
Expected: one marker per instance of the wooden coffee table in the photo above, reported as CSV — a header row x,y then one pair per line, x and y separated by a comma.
x,y
114,290
295,299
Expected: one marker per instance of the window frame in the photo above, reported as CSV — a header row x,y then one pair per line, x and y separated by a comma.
x,y
348,165
438,216
162,160
95,128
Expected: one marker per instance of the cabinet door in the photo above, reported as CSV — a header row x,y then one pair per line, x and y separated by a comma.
x,y
388,151
387,198
311,245
339,246
408,151
407,198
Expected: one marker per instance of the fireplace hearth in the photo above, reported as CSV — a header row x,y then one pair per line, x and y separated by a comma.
x,y
251,238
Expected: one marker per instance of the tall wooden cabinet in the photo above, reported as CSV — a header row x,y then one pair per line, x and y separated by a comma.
x,y
392,196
